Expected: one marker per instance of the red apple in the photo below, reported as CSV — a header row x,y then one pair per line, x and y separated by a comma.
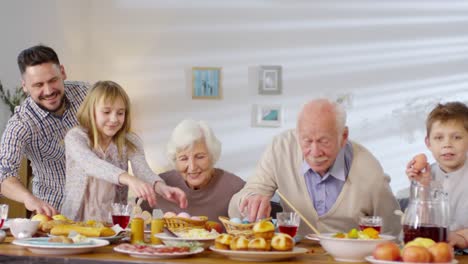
x,y
417,254
387,251
209,225
441,252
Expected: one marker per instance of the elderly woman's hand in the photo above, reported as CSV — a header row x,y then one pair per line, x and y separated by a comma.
x,y
172,194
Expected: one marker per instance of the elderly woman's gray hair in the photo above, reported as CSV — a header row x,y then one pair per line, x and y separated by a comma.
x,y
186,133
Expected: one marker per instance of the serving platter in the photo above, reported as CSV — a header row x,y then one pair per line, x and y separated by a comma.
x,y
372,260
40,245
171,240
242,255
312,237
125,249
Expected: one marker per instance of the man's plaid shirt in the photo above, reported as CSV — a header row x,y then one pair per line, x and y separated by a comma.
x,y
38,135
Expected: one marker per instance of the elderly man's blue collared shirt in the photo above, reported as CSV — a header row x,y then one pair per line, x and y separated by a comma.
x,y
324,190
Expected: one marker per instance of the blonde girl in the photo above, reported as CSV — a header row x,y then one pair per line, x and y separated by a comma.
x,y
97,155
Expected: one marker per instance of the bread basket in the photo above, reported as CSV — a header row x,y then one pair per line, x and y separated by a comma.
x,y
176,223
236,228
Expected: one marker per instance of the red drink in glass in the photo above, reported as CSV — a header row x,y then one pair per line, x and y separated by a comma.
x,y
362,227
1,222
436,233
121,220
288,229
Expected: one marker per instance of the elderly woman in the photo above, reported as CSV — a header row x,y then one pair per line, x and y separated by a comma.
x,y
194,149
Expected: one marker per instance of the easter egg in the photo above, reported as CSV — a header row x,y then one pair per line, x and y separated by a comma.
x,y
184,215
420,161
195,218
246,220
169,214
235,220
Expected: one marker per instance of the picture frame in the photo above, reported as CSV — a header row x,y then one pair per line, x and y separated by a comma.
x,y
206,83
267,115
270,80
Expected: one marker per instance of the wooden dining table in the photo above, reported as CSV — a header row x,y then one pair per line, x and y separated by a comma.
x,y
13,254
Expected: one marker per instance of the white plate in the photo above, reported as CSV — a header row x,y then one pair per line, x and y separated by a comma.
x,y
136,254
170,240
371,259
313,237
260,255
40,245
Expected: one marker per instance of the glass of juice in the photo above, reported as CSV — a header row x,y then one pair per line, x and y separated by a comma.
x,y
370,221
121,214
288,222
3,214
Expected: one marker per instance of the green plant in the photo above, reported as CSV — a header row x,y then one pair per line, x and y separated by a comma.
x,y
12,99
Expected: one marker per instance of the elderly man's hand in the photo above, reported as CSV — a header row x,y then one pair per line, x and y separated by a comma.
x,y
256,207
32,203
172,194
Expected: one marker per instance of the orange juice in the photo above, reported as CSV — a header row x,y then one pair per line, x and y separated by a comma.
x,y
157,226
137,229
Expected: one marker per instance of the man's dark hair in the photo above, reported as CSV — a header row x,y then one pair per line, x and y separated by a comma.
x,y
36,55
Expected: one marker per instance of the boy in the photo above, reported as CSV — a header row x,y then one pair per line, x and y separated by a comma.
x,y
447,139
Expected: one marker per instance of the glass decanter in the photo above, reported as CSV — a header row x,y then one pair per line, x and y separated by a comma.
x,y
427,214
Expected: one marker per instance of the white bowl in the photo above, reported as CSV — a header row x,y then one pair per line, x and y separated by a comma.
x,y
25,226
350,250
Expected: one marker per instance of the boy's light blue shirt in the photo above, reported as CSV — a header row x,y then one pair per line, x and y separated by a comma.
x,y
324,190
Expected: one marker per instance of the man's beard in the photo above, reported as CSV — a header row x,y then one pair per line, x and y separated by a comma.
x,y
54,111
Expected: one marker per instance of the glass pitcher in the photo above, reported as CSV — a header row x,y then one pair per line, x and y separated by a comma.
x,y
427,214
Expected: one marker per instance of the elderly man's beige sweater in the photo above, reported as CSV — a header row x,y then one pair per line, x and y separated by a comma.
x,y
365,192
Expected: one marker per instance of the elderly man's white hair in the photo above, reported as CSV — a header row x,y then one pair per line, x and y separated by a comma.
x,y
186,133
340,112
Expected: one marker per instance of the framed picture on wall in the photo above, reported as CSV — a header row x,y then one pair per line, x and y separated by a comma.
x,y
206,83
270,80
267,115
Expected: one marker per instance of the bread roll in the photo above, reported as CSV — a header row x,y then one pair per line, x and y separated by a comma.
x,y
64,230
264,229
223,241
282,242
259,244
239,243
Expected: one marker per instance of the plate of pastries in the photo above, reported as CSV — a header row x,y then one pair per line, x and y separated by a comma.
x,y
265,245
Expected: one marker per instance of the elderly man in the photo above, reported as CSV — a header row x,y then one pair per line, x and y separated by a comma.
x,y
330,180
37,128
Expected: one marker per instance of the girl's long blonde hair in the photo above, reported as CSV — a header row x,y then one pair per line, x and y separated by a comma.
x,y
105,91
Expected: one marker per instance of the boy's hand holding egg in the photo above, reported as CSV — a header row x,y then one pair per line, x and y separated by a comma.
x,y
418,169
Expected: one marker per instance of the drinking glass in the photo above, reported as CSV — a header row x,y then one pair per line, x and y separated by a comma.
x,y
288,222
121,214
370,221
3,214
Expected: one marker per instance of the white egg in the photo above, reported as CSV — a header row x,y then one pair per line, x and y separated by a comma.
x,y
235,220
184,215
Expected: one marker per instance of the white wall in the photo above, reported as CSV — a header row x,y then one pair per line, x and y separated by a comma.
x,y
392,59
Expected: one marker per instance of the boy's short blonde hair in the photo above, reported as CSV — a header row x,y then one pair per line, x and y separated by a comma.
x,y
451,111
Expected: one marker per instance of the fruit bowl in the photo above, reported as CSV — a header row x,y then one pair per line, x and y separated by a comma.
x,y
350,250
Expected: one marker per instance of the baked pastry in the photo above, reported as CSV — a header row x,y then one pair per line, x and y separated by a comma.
x,y
239,243
264,229
223,241
61,239
259,244
282,242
